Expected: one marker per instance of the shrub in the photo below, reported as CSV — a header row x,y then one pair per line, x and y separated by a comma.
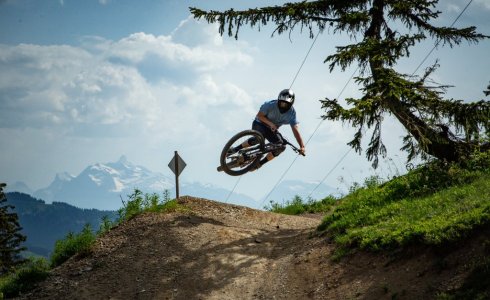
x,y
132,207
105,225
72,244
24,278
138,202
297,206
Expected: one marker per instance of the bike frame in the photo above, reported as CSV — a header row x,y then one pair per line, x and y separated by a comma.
x,y
269,147
244,158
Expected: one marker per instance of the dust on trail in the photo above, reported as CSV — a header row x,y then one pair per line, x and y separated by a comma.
x,y
222,251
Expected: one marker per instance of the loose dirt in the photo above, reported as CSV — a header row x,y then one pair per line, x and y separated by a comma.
x,y
220,251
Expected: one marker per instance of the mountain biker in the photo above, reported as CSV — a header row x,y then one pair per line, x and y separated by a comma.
x,y
272,114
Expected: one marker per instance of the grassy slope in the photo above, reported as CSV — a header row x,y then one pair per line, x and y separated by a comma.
x,y
433,205
372,218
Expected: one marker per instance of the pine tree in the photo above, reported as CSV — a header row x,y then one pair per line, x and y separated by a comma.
x,y
447,129
10,236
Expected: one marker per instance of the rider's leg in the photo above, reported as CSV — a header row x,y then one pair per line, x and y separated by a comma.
x,y
271,137
250,142
271,155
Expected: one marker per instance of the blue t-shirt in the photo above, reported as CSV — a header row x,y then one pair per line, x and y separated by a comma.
x,y
271,111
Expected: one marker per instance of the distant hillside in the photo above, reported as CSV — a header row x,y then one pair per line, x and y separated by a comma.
x,y
43,223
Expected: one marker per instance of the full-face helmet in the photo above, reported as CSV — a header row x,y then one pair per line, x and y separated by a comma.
x,y
285,100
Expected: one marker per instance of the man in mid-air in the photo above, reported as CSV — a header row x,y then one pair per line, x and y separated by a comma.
x,y
271,116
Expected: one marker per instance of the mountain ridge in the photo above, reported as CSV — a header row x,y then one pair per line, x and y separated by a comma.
x,y
103,185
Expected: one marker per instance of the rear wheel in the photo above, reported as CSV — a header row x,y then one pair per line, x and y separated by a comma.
x,y
243,160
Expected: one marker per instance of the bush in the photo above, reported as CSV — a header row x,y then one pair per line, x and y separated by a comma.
x,y
72,244
297,206
24,278
105,226
138,202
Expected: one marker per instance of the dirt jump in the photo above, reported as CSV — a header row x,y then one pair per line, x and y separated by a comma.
x,y
214,250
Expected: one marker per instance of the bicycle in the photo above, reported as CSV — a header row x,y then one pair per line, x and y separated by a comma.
x,y
245,159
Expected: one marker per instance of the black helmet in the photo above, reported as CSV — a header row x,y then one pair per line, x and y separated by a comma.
x,y
285,100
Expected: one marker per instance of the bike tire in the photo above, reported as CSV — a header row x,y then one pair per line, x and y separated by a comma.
x,y
236,137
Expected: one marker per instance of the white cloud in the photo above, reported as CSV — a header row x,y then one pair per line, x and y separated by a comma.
x,y
142,83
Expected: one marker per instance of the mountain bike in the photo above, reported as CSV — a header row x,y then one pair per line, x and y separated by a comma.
x,y
244,160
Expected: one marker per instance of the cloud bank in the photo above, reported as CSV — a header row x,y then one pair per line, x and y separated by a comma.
x,y
159,85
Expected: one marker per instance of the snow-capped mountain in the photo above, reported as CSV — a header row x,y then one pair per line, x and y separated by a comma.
x,y
104,185
49,193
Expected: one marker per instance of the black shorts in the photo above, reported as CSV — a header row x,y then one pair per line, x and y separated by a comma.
x,y
266,132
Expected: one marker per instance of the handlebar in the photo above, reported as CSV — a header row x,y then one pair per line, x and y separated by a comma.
x,y
286,142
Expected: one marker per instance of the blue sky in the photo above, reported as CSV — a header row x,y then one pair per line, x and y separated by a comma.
x,y
88,81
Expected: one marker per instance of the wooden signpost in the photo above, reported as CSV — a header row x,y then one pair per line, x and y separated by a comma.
x,y
177,165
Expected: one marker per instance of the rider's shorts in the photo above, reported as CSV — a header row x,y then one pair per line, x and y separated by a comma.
x,y
266,132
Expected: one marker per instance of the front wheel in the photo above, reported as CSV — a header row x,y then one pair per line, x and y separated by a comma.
x,y
242,161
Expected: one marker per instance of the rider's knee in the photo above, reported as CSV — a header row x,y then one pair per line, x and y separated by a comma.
x,y
278,151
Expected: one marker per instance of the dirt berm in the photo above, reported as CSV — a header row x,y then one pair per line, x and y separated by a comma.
x,y
222,251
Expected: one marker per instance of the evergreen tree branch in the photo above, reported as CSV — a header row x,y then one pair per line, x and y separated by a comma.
x,y
340,14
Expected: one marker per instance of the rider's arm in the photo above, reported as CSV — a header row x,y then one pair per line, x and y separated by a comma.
x,y
262,118
298,137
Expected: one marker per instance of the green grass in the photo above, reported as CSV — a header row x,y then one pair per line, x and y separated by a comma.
x,y
72,244
434,204
138,203
24,278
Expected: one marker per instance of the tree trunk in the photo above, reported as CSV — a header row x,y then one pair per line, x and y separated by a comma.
x,y
432,142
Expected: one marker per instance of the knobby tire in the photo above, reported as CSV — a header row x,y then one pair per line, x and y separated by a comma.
x,y
229,144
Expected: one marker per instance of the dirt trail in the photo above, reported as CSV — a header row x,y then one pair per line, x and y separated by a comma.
x,y
220,251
